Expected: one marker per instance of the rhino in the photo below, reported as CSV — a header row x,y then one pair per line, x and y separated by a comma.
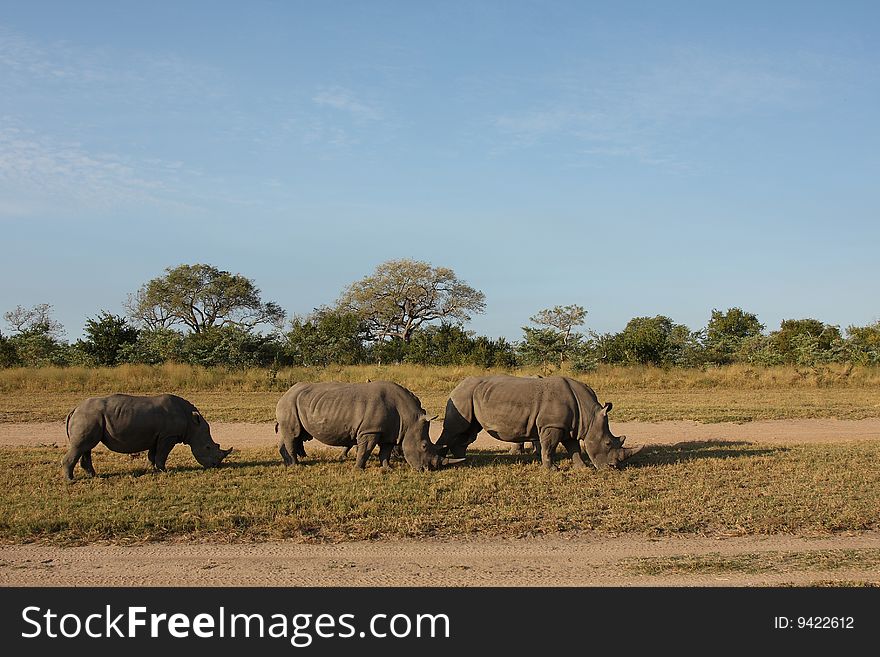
x,y
363,414
552,410
129,424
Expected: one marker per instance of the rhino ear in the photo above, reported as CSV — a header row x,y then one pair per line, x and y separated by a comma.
x,y
197,417
606,409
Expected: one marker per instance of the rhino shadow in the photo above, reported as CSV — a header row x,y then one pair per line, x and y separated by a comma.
x,y
650,455
703,449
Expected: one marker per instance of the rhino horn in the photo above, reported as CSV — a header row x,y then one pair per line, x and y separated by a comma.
x,y
631,451
429,419
447,460
225,452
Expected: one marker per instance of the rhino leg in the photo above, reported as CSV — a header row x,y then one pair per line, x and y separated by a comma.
x,y
550,438
366,443
517,448
81,443
385,450
573,447
86,463
346,451
151,455
290,449
162,450
458,445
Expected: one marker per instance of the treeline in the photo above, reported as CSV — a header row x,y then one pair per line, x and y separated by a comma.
x,y
332,337
405,312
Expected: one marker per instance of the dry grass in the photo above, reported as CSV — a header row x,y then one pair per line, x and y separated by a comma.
x,y
734,393
691,488
754,562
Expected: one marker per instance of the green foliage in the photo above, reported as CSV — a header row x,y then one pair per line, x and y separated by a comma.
x,y
542,346
107,336
556,341
153,347
726,333
326,337
805,341
759,350
657,341
8,355
448,344
36,340
201,297
229,346
863,344
401,295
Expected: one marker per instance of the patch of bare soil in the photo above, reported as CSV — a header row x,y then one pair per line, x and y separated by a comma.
x,y
244,434
540,561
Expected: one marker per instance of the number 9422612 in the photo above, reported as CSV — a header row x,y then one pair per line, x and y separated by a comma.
x,y
825,622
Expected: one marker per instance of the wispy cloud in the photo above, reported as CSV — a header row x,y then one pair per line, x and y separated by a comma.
x,y
344,100
65,174
637,111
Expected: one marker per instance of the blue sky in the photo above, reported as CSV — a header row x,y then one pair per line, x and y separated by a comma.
x,y
633,158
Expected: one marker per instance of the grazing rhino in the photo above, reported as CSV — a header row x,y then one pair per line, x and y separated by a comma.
x,y
363,414
130,424
552,410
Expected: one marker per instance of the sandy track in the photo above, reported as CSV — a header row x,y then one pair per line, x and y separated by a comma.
x,y
543,561
244,434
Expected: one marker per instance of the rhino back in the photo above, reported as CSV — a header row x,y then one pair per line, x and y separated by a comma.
x,y
516,408
132,422
339,412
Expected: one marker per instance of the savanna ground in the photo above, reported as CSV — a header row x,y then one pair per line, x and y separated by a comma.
x,y
749,477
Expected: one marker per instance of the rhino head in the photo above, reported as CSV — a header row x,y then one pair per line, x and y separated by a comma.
x,y
419,451
604,448
204,449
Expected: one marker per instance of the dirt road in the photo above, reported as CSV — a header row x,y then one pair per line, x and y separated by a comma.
x,y
764,431
553,561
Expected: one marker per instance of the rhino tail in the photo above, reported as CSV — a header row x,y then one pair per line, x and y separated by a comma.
x,y
67,424
276,427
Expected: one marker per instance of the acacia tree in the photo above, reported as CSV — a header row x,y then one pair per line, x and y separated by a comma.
x,y
37,338
34,320
558,321
401,295
201,297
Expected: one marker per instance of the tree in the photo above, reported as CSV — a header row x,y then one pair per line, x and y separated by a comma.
x,y
8,355
449,344
726,332
803,340
230,346
327,337
107,336
153,347
562,320
657,341
401,295
201,297
541,346
34,320
37,338
864,343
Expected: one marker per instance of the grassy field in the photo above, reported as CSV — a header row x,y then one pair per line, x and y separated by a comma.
x,y
734,393
771,561
717,489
